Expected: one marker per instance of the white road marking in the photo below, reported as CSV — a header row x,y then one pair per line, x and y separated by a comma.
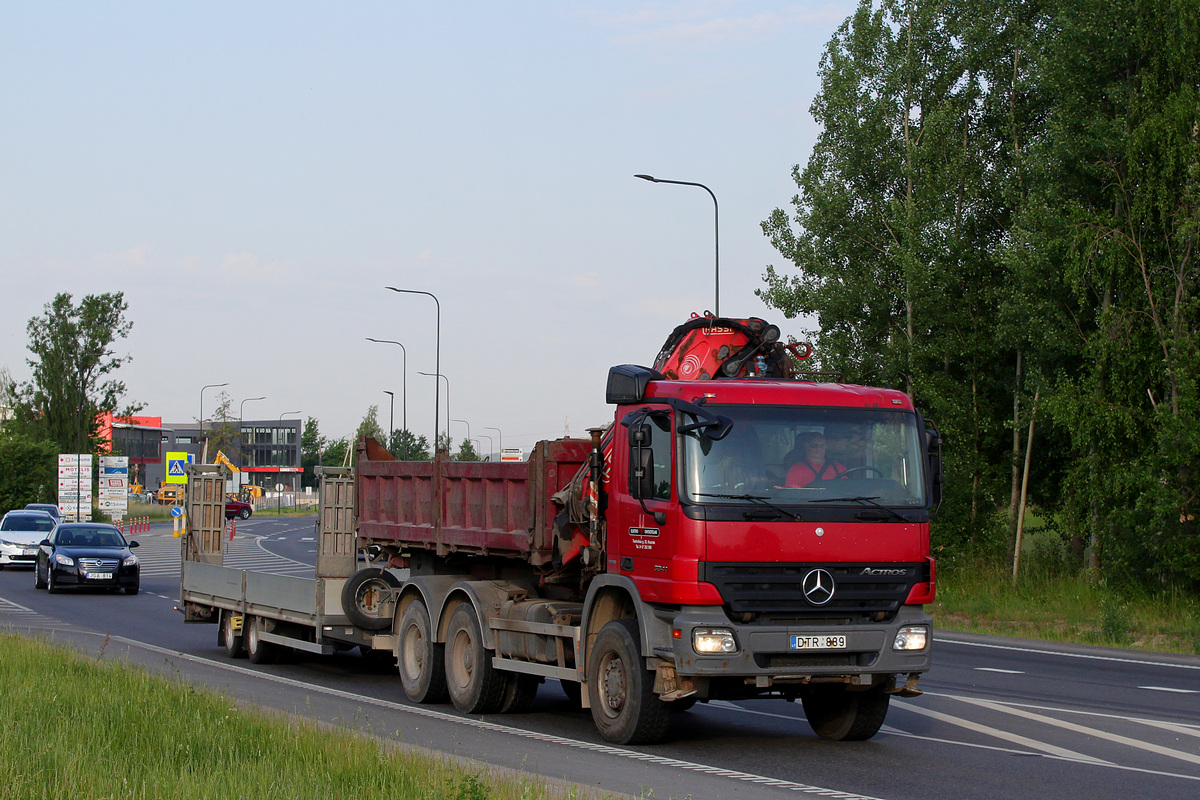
x,y
997,669
1170,689
1088,656
1015,738
1191,758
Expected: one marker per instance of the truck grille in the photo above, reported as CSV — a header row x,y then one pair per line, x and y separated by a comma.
x,y
860,595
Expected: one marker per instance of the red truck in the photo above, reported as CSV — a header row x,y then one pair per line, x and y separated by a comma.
x,y
680,555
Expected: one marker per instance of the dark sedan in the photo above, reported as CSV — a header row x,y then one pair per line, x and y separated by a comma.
x,y
87,554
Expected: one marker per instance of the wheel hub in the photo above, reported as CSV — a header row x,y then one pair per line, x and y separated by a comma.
x,y
614,684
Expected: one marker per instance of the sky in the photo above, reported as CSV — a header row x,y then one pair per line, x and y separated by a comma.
x,y
253,175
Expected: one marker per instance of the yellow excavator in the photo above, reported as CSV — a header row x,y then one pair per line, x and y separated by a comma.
x,y
247,490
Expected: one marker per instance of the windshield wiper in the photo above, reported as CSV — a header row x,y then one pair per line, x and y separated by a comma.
x,y
867,500
754,498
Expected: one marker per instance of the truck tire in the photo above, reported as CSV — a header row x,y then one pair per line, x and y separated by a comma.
x,y
257,650
421,660
475,686
363,598
834,713
235,644
520,691
625,708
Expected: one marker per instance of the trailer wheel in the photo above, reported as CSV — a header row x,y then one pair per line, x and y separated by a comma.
x,y
625,708
364,598
519,693
260,652
421,660
235,643
834,713
475,686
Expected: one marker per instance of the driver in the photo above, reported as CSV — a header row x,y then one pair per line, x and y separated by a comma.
x,y
812,466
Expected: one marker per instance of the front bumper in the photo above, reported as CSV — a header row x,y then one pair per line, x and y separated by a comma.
x,y
14,554
765,652
122,577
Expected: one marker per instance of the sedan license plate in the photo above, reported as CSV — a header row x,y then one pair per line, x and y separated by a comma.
x,y
98,576
29,551
818,642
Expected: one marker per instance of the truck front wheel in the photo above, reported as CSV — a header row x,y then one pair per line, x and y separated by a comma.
x,y
834,713
625,708
475,686
421,660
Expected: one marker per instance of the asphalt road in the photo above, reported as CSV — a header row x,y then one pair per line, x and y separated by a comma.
x,y
1000,718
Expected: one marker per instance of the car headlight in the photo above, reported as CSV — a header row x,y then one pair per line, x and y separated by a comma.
x,y
911,637
66,561
7,543
714,640
130,562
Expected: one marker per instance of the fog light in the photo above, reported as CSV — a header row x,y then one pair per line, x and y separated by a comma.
x,y
714,640
911,637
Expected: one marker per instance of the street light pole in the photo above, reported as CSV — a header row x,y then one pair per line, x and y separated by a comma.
x,y
435,399
241,437
391,417
403,388
202,388
463,421
497,430
716,229
281,416
491,445
437,361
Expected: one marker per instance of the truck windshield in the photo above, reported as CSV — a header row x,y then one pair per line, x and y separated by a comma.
x,y
790,455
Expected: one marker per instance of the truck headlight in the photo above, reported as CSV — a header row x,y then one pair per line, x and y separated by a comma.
x,y
911,637
714,640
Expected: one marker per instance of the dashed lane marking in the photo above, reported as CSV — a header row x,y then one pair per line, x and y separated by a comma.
x,y
1002,671
1170,689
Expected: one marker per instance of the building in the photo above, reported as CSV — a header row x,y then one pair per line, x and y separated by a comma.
x,y
267,451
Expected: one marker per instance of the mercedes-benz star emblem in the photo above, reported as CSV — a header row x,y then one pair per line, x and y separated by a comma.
x,y
818,587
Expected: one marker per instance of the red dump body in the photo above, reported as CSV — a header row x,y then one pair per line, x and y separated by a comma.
x,y
448,506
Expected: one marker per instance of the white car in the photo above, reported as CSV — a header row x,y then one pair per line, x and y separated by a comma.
x,y
20,533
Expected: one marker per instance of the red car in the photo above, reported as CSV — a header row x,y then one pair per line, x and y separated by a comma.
x,y
236,508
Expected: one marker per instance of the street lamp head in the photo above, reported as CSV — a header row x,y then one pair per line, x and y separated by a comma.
x,y
650,178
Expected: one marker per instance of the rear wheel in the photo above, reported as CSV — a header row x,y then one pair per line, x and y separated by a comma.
x,y
625,708
422,661
834,713
520,691
235,643
367,598
475,686
260,652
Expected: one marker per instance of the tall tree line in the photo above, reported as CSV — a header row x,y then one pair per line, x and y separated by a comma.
x,y
1000,216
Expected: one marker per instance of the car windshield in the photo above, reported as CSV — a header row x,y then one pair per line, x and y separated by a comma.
x,y
793,455
27,522
90,537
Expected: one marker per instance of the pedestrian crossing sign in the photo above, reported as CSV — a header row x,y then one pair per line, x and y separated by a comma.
x,y
177,467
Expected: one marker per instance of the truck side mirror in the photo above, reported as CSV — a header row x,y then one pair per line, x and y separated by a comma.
x,y
933,446
641,461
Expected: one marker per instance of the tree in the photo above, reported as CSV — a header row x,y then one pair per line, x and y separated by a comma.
x,y
224,431
27,471
405,445
312,443
466,451
72,355
370,426
338,453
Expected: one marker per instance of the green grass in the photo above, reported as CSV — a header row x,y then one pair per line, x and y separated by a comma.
x,y
1062,605
77,727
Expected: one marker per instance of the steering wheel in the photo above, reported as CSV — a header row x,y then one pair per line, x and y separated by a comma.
x,y
850,472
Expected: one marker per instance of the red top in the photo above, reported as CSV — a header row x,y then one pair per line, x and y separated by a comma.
x,y
803,473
